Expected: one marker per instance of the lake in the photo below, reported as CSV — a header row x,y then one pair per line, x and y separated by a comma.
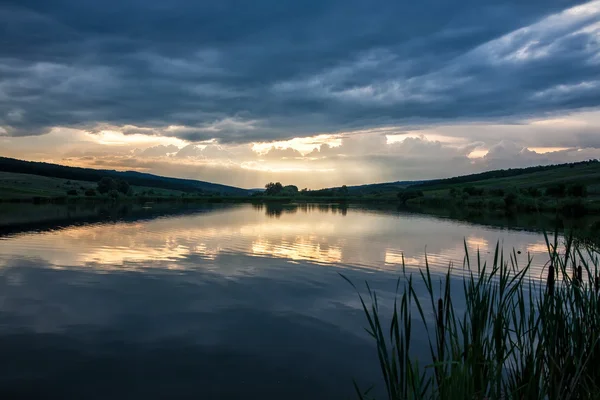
x,y
210,302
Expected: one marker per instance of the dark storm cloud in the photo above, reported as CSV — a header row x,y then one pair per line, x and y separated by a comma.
x,y
244,71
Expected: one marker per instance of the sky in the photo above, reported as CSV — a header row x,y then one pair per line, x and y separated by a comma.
x,y
316,93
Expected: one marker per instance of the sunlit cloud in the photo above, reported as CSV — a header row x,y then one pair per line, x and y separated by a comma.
x,y
429,135
544,150
110,138
302,144
480,153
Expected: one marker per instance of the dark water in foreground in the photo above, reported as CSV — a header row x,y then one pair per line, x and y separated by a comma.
x,y
223,302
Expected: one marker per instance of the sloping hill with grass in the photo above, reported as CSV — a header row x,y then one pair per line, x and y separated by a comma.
x,y
381,187
587,172
133,178
26,186
571,189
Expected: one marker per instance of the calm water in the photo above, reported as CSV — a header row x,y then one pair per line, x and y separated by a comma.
x,y
222,302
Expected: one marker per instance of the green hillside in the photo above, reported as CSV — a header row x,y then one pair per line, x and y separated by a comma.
x,y
132,177
587,172
26,186
571,189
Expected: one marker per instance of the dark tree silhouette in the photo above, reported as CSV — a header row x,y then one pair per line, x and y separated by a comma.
x,y
407,194
577,190
123,187
273,189
106,184
558,190
290,190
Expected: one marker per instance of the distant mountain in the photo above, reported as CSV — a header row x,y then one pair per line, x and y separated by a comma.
x,y
132,177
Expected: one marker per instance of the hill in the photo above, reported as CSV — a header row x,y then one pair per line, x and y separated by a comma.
x,y
132,177
386,188
381,187
15,186
571,189
585,172
530,176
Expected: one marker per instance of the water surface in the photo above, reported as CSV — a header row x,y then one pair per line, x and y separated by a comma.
x,y
217,302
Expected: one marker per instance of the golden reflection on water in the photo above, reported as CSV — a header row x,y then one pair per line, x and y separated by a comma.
x,y
539,247
478,243
315,234
301,248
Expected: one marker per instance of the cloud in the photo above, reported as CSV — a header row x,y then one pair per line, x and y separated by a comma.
x,y
267,71
282,153
315,93
506,150
160,150
190,150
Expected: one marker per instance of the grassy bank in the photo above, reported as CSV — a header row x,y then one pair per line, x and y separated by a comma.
x,y
507,200
517,337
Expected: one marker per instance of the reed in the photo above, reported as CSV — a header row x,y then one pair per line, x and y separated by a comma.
x,y
516,337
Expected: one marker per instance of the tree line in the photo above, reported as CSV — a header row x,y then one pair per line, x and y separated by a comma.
x,y
277,189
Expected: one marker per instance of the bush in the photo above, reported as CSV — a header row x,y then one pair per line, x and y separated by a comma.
x,y
558,190
495,203
527,204
473,191
497,192
90,192
273,189
72,192
530,192
534,192
289,190
106,184
476,203
577,190
572,207
406,195
509,200
123,187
